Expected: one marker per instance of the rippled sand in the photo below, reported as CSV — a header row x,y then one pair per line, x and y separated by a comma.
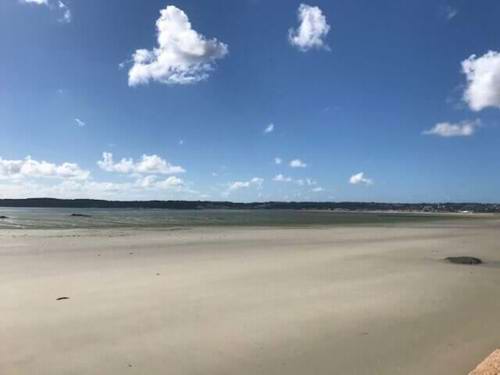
x,y
329,300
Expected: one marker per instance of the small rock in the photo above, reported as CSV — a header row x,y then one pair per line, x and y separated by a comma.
x,y
464,260
80,215
3,217
61,298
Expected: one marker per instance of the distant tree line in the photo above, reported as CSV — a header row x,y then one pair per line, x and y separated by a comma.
x,y
200,205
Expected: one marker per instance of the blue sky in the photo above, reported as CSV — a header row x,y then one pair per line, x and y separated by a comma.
x,y
385,101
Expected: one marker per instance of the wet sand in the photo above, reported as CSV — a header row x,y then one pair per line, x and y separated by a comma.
x,y
319,300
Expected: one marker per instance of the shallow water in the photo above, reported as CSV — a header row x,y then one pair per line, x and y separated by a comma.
x,y
55,218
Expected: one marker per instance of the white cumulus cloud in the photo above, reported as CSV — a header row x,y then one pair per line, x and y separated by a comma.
x,y
28,167
359,178
149,164
483,80
297,163
182,56
33,178
312,30
150,187
446,129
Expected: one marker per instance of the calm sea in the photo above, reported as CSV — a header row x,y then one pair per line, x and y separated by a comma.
x,y
55,218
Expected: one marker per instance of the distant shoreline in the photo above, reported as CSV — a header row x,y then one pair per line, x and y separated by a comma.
x,y
446,207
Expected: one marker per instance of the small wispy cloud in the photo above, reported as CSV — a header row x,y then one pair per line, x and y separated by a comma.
x,y
237,185
359,178
282,178
269,128
58,5
66,17
297,163
299,182
124,63
152,181
80,123
310,182
278,160
38,2
447,129
450,12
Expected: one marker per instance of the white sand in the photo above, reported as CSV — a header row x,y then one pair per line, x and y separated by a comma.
x,y
345,300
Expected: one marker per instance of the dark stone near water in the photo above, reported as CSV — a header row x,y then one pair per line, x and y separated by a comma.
x,y
464,260
80,215
3,217
61,298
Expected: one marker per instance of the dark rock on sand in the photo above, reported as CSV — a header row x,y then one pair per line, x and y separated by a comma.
x,y
464,260
61,298
80,215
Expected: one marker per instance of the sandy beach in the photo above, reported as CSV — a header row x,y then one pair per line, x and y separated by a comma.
x,y
244,300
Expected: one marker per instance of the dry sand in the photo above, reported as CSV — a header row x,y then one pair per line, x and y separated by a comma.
x,y
336,300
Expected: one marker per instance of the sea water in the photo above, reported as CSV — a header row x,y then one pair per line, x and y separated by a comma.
x,y
62,218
